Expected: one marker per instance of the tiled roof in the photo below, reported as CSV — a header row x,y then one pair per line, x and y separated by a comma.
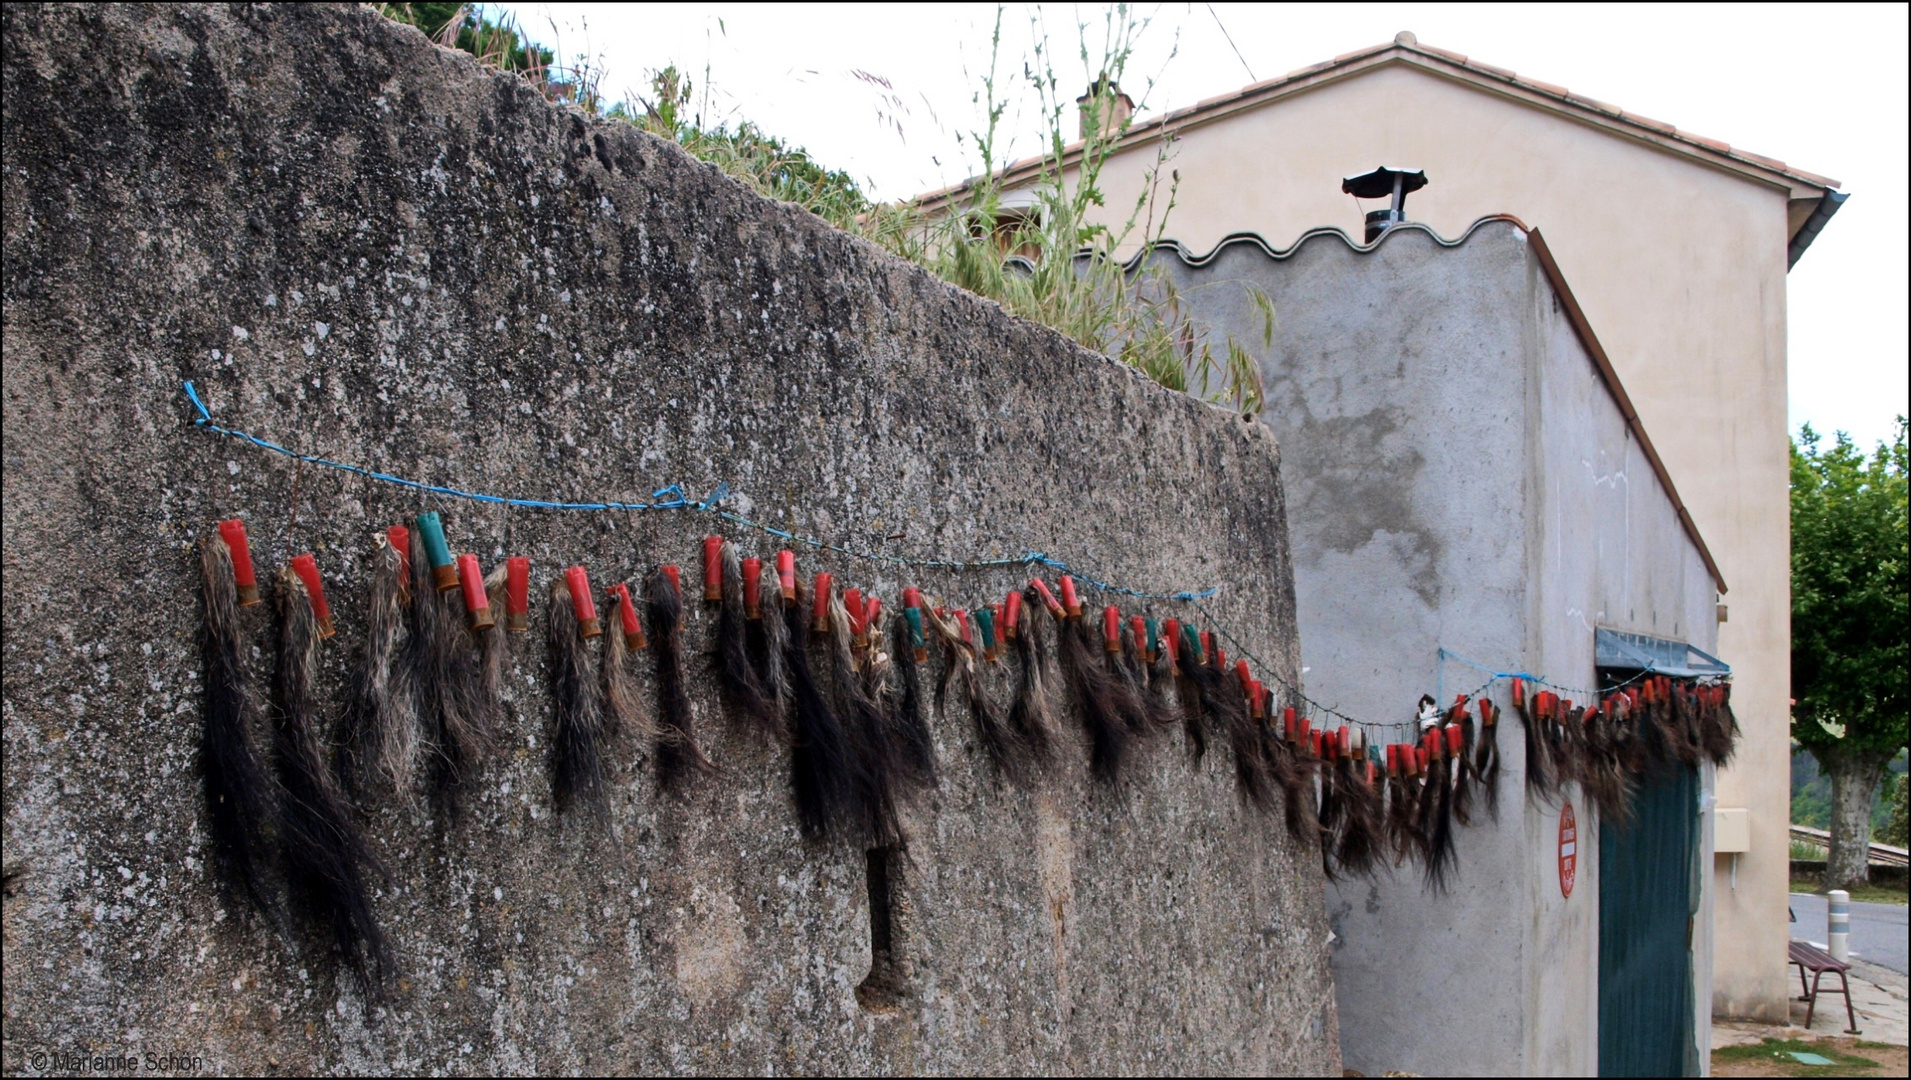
x,y
1405,48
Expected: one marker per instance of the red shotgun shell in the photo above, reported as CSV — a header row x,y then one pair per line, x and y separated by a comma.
x,y
1111,628
675,575
306,567
233,532
477,605
962,620
1011,613
399,538
819,614
853,604
627,616
1069,599
786,575
713,568
581,603
517,593
1048,598
753,588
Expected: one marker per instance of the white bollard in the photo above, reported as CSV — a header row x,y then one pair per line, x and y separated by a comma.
x,y
1838,925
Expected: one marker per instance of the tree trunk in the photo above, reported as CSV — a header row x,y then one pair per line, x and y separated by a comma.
x,y
1854,789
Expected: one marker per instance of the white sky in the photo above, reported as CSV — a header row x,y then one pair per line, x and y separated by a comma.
x,y
1823,87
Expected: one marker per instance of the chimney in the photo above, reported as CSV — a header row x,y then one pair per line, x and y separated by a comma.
x,y
1116,107
1386,182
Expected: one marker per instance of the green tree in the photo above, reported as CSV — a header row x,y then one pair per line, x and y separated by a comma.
x,y
1851,576
1894,830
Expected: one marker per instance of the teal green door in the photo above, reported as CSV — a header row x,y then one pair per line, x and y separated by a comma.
x,y
1648,897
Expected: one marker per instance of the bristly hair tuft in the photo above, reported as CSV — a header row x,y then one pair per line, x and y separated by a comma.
x,y
875,759
241,795
679,758
1032,712
381,717
444,670
325,854
819,753
577,765
918,745
735,673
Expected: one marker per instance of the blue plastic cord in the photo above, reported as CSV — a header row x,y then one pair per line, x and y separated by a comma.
x,y
673,498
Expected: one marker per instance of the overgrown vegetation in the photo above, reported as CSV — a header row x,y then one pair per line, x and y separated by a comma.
x,y
1052,257
464,26
1066,271
1851,581
1775,1055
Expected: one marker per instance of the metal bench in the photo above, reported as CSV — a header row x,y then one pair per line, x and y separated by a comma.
x,y
1807,957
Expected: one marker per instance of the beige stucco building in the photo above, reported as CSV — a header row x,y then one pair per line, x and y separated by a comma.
x,y
1677,247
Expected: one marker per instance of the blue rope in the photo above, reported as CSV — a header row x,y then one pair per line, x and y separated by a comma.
x,y
1495,676
673,498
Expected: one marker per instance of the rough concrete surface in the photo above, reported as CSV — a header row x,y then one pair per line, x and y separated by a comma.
x,y
372,249
1459,477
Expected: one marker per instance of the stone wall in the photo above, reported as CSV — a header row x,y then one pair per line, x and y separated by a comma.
x,y
372,249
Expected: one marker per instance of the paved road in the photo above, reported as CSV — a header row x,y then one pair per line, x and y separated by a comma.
x,y
1878,931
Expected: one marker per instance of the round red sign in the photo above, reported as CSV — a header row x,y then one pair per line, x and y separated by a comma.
x,y
1568,850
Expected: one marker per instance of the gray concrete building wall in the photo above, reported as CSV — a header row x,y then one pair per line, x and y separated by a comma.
x,y
1458,477
372,249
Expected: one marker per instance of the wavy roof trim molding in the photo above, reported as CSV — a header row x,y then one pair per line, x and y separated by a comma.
x,y
1575,315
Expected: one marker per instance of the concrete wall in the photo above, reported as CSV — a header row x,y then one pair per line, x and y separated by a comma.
x,y
1457,477
373,249
1681,268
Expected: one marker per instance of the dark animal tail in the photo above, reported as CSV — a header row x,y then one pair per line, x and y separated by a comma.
x,y
1097,697
623,705
819,753
240,794
999,742
1486,755
735,672
1437,813
494,652
325,855
577,775
875,759
1251,767
1537,765
678,756
1193,718
1361,834
912,727
381,718
444,670
1032,714
1463,778
769,635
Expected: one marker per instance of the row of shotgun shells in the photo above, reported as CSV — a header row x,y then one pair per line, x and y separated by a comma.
x,y
462,573
994,624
